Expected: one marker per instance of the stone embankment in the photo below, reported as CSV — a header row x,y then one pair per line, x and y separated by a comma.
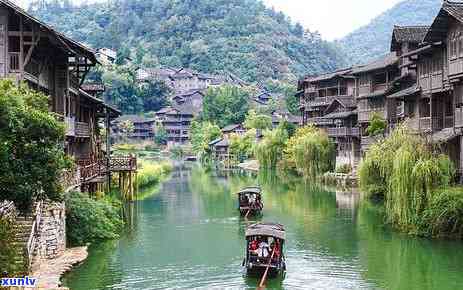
x,y
50,271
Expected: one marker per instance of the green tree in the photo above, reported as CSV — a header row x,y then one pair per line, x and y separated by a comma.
x,y
126,127
377,126
160,134
31,150
201,134
270,150
225,105
257,121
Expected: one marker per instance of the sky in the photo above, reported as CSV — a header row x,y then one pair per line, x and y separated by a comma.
x,y
332,18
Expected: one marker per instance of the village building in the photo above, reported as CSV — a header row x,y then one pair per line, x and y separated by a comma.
x,y
419,83
233,129
143,128
49,62
328,102
185,79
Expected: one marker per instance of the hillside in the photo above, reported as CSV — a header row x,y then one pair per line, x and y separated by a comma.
x,y
239,36
373,40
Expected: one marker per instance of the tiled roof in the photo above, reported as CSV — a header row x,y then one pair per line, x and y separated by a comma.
x,y
230,128
405,92
134,119
330,75
454,8
413,34
438,29
387,60
340,115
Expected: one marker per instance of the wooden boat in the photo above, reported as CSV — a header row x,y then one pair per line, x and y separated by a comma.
x,y
250,201
264,250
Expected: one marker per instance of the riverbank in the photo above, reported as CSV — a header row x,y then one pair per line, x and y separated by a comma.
x,y
50,271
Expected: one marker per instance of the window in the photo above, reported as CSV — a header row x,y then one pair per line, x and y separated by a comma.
x,y
460,44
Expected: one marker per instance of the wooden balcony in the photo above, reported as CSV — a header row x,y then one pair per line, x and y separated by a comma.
x,y
448,122
425,124
82,129
459,117
319,122
343,132
367,141
378,87
70,124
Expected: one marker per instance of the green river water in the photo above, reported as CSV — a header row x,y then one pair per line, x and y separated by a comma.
x,y
189,235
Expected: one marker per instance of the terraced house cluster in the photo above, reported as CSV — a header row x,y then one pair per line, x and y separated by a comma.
x,y
419,83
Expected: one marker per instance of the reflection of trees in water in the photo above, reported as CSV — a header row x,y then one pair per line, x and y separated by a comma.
x,y
97,271
399,261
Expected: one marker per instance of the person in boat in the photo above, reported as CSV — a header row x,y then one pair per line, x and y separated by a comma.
x,y
253,247
252,200
263,251
275,247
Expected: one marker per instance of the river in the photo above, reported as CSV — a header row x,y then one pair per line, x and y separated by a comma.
x,y
189,235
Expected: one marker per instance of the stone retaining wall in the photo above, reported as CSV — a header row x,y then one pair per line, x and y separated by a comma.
x,y
52,238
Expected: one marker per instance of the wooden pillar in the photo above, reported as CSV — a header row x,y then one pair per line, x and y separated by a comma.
x,y
108,150
21,46
431,112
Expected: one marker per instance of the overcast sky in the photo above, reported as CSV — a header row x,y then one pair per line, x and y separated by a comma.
x,y
332,18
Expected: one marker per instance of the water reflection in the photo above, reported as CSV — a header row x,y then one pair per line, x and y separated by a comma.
x,y
190,235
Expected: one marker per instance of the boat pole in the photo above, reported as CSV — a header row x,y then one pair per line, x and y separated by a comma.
x,y
264,277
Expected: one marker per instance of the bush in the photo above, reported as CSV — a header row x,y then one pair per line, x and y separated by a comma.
x,y
377,126
406,172
310,152
444,215
150,173
31,153
89,220
270,150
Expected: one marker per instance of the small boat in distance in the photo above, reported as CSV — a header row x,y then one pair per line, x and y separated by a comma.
x,y
250,201
264,250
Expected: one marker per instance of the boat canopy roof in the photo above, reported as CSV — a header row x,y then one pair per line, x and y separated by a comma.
x,y
251,189
266,229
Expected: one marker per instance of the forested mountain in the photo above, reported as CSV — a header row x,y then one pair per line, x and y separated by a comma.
x,y
373,40
239,36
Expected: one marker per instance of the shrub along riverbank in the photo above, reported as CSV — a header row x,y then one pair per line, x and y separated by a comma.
x,y
151,173
416,181
92,219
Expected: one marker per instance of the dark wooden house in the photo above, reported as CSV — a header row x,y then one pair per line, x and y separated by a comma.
x,y
47,61
328,102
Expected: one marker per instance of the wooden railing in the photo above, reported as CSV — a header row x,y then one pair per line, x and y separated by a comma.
x,y
31,243
448,122
70,178
13,61
319,121
343,132
459,117
90,171
70,125
425,123
82,129
379,87
123,163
